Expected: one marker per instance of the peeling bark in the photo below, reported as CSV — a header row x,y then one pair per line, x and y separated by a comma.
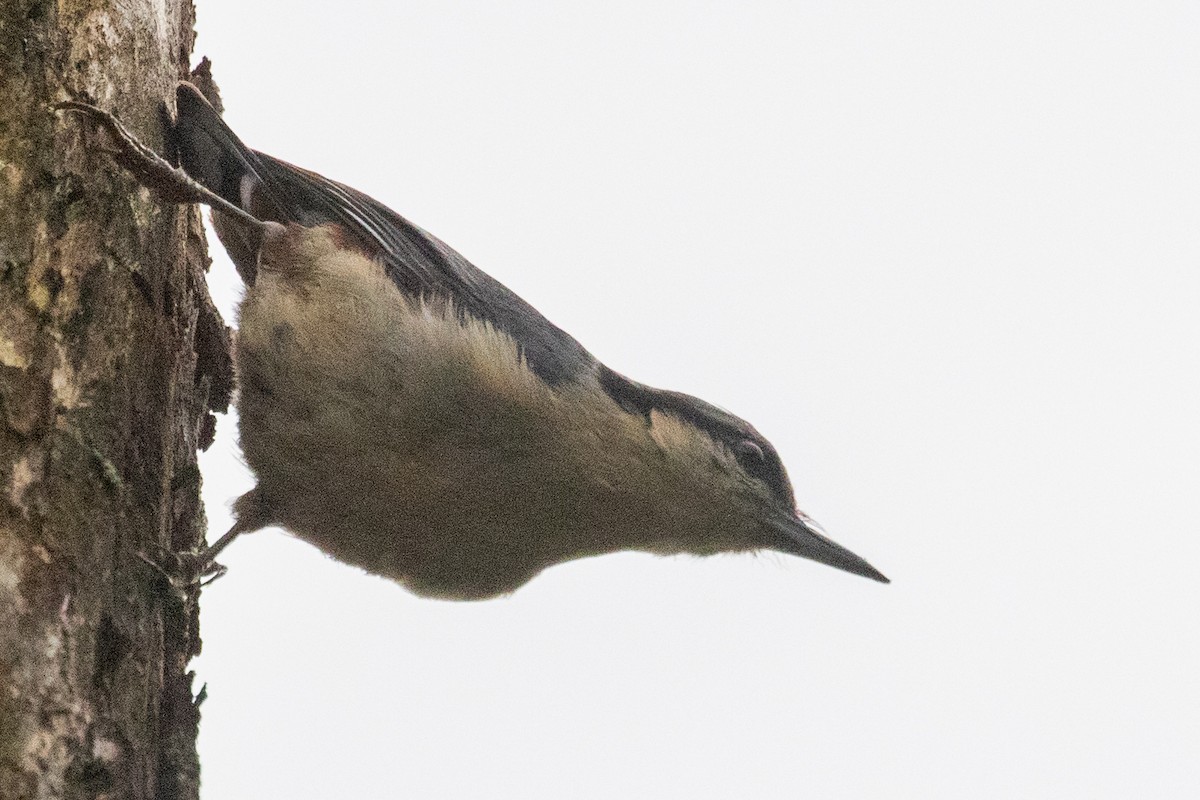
x,y
112,359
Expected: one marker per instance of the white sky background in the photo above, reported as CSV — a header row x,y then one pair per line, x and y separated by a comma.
x,y
945,255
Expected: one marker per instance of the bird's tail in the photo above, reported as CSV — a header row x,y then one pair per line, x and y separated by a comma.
x,y
213,155
210,152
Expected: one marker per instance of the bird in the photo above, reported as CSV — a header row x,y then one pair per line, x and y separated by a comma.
x,y
409,415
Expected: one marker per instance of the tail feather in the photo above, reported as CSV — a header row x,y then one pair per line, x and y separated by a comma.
x,y
214,156
208,150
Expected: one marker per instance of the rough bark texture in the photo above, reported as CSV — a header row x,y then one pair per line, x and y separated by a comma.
x,y
111,358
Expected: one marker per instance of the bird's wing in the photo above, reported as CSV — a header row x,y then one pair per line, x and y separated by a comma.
x,y
418,263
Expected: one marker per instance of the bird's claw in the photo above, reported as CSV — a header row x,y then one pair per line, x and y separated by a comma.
x,y
184,571
150,169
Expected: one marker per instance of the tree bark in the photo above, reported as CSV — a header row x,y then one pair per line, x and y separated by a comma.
x,y
112,358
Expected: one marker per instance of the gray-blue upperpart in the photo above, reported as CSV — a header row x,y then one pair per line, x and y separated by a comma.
x,y
419,263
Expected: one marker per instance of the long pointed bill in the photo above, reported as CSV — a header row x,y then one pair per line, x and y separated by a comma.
x,y
803,537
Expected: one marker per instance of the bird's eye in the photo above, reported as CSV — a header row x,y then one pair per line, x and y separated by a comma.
x,y
750,456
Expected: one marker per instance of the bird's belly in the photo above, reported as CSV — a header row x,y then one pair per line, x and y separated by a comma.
x,y
401,439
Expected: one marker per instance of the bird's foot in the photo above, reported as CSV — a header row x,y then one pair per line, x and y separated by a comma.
x,y
184,571
150,169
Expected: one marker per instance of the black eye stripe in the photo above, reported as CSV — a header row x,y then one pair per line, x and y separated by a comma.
x,y
753,453
762,464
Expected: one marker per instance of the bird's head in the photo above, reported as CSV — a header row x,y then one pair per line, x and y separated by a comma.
x,y
738,495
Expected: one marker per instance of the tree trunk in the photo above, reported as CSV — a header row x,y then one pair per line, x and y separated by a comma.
x,y
111,359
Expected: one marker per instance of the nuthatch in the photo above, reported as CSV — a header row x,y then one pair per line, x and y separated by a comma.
x,y
408,414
